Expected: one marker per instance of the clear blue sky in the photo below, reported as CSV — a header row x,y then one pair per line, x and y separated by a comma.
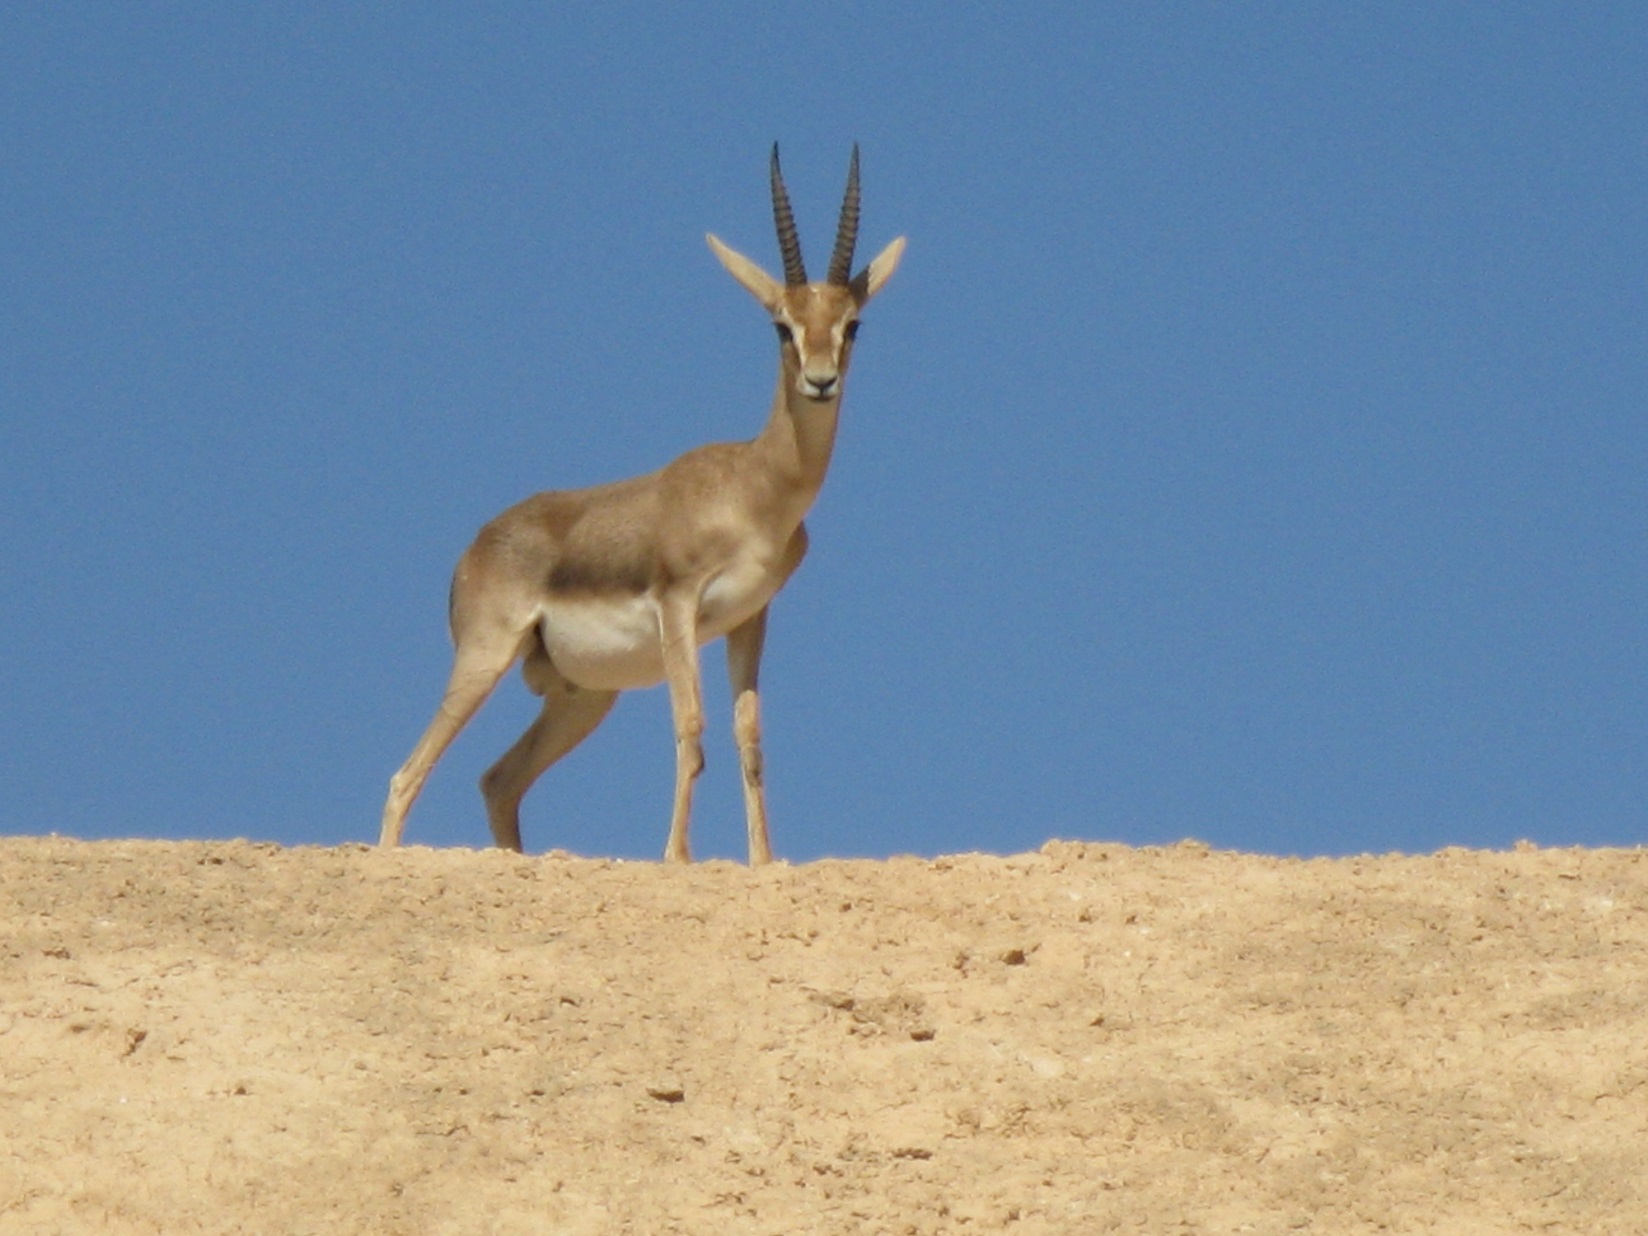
x,y
1253,445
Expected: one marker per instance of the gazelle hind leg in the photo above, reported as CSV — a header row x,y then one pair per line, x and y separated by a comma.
x,y
570,714
476,668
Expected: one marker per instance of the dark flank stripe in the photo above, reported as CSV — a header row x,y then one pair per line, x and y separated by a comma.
x,y
589,576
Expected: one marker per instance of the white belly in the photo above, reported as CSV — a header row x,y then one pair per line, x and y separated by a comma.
x,y
606,645
613,643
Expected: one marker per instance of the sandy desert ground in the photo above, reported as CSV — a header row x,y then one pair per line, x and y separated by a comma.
x,y
229,1037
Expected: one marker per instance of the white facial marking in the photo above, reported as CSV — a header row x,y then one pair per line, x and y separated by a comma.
x,y
820,367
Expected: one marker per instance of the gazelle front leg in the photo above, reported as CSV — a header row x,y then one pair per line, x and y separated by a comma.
x,y
744,668
678,629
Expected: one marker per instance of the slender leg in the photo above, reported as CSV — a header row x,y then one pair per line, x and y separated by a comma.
x,y
678,623
570,714
744,668
476,669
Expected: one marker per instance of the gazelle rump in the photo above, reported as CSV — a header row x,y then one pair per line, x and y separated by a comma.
x,y
616,586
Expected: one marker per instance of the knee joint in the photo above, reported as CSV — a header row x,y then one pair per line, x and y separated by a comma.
x,y
746,722
689,752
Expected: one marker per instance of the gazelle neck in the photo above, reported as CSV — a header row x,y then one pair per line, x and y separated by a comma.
x,y
799,436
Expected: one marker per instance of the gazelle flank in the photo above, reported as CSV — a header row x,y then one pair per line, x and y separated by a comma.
x,y
617,586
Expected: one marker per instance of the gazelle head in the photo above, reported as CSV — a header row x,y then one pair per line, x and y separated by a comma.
x,y
816,321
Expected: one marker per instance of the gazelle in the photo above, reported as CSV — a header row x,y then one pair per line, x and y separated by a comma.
x,y
602,589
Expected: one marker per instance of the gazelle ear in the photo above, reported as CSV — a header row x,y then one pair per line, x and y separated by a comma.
x,y
869,280
757,282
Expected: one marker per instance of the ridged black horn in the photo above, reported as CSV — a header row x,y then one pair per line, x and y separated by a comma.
x,y
846,236
789,244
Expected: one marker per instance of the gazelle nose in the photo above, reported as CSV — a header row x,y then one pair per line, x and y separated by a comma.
x,y
821,384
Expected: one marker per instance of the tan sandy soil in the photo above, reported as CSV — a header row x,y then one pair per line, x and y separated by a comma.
x,y
234,1037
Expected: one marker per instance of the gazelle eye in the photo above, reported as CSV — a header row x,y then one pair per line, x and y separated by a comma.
x,y
785,334
852,330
